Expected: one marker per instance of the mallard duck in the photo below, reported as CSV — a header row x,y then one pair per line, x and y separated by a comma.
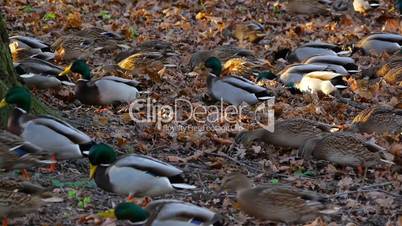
x,y
223,53
341,148
378,120
165,212
28,47
290,133
52,135
17,204
326,82
294,73
378,43
233,89
133,175
40,74
250,31
348,64
8,184
362,6
15,153
309,7
104,91
391,71
274,202
315,48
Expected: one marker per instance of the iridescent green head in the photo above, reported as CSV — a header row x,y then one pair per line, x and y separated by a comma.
x,y
214,64
126,211
266,75
18,96
79,66
101,154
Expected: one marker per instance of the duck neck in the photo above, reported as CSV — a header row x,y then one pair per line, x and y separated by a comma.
x,y
85,73
14,120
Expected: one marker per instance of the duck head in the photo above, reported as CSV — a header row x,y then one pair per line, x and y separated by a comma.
x,y
79,66
100,154
214,65
235,182
126,211
18,96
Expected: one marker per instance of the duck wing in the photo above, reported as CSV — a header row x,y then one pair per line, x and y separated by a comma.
x,y
148,164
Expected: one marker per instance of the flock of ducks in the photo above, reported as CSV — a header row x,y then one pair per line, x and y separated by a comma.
x,y
315,67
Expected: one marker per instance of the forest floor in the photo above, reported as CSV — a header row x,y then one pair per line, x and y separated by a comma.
x,y
202,154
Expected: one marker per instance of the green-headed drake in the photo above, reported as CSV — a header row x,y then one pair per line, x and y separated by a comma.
x,y
232,89
338,64
15,153
164,212
37,73
104,91
133,175
52,135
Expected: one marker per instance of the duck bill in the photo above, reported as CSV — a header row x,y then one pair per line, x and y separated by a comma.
x,y
92,170
107,214
66,71
3,103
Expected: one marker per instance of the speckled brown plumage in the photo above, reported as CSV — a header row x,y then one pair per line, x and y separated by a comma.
x,y
15,204
341,148
379,120
274,202
287,133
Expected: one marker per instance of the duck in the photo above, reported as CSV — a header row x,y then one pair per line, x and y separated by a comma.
x,y
391,71
40,74
167,212
348,64
250,31
15,153
342,148
294,73
378,119
278,203
64,141
18,198
326,82
309,7
23,47
82,44
232,89
223,53
133,175
17,204
362,6
298,129
315,48
104,91
379,43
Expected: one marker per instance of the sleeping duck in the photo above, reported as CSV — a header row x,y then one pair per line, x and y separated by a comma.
x,y
104,91
232,89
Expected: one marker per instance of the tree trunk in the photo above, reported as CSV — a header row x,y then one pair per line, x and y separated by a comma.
x,y
8,76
